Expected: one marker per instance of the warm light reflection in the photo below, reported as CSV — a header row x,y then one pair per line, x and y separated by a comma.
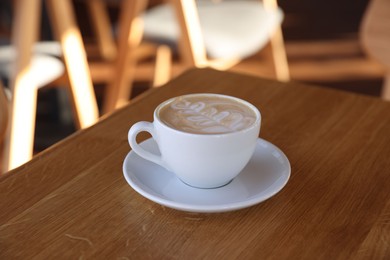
x,y
79,77
192,23
22,121
162,71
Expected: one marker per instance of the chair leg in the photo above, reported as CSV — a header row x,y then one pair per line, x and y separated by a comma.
x,y
19,141
191,44
64,25
130,36
163,65
102,27
386,88
279,56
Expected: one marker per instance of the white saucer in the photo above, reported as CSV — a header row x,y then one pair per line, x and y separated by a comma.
x,y
265,175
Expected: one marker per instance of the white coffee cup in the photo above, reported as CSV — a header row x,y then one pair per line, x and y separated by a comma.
x,y
208,141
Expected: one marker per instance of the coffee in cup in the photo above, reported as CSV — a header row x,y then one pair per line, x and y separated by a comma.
x,y
204,139
200,114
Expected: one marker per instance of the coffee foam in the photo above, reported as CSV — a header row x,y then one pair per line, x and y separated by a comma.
x,y
207,114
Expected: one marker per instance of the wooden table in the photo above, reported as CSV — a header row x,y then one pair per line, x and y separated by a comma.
x,y
72,201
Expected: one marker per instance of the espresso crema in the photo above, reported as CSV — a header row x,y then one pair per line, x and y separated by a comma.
x,y
207,114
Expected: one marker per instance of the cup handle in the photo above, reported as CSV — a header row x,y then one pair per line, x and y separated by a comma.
x,y
137,128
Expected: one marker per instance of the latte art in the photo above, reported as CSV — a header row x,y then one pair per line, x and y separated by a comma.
x,y
207,114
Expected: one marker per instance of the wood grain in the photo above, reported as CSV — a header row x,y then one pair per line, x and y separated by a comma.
x,y
71,201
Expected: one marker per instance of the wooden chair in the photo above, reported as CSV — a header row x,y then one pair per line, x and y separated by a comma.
x,y
29,70
219,34
129,39
204,41
122,55
375,37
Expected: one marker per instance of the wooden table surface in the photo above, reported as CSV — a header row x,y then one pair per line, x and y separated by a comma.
x,y
72,201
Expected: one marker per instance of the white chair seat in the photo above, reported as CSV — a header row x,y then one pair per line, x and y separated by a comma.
x,y
44,68
52,48
230,28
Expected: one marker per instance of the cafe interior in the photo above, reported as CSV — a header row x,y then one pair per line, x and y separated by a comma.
x,y
318,42
80,79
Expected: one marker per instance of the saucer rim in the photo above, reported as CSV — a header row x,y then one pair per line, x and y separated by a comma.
x,y
196,208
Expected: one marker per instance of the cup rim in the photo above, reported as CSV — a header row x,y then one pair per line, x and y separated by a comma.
x,y
255,124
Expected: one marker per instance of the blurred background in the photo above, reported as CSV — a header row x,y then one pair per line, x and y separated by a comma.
x,y
321,40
